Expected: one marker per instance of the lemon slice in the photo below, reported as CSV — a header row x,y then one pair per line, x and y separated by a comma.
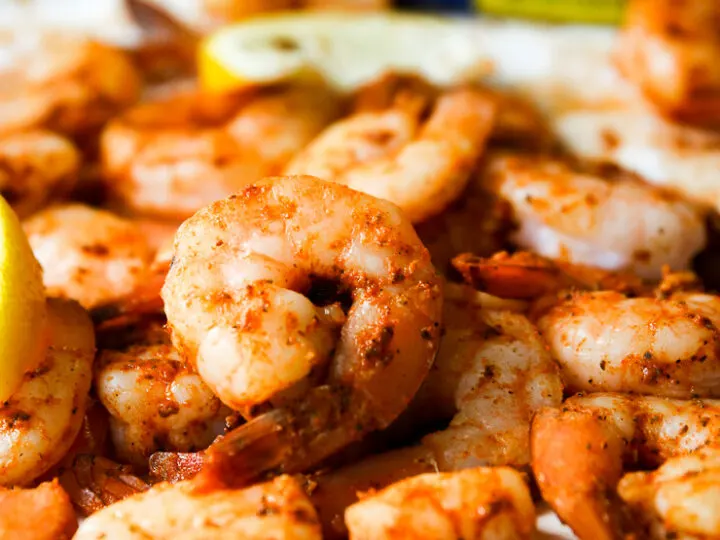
x,y
344,49
23,311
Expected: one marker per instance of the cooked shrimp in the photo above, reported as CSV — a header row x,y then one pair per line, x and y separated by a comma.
x,y
579,451
491,375
395,154
35,168
678,500
474,504
679,158
155,401
87,254
605,341
590,220
41,513
278,509
235,302
174,156
669,49
67,84
42,418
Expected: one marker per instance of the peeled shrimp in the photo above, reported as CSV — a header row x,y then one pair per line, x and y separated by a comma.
x,y
67,84
235,298
87,254
40,513
35,168
678,500
278,509
44,415
587,219
474,504
155,401
669,49
174,156
679,158
579,452
396,155
605,341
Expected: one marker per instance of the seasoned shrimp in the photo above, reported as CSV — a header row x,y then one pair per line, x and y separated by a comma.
x,y
669,49
155,401
67,84
395,154
579,451
678,500
235,302
44,415
683,159
474,504
41,513
605,341
491,375
278,509
174,156
589,220
35,168
87,254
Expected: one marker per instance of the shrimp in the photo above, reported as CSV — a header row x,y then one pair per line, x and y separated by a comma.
x,y
475,504
35,168
172,164
155,401
579,452
66,84
678,500
44,415
41,513
679,158
590,220
235,302
492,374
87,254
669,50
278,509
391,154
605,341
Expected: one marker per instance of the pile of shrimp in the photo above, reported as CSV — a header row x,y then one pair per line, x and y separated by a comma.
x,y
409,312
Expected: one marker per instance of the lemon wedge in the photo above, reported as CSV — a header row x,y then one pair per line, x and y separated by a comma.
x,y
23,311
344,49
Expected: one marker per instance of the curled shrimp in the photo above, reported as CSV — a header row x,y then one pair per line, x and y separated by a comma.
x,y
414,153
579,452
66,84
669,51
173,156
278,509
36,167
476,504
678,500
40,421
40,513
235,299
88,254
588,219
155,401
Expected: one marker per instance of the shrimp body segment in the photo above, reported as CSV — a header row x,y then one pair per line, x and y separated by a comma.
x,y
39,423
278,509
235,298
606,341
392,155
579,452
587,219
41,513
475,504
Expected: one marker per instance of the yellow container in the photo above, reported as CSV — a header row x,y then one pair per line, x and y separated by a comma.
x,y
580,11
